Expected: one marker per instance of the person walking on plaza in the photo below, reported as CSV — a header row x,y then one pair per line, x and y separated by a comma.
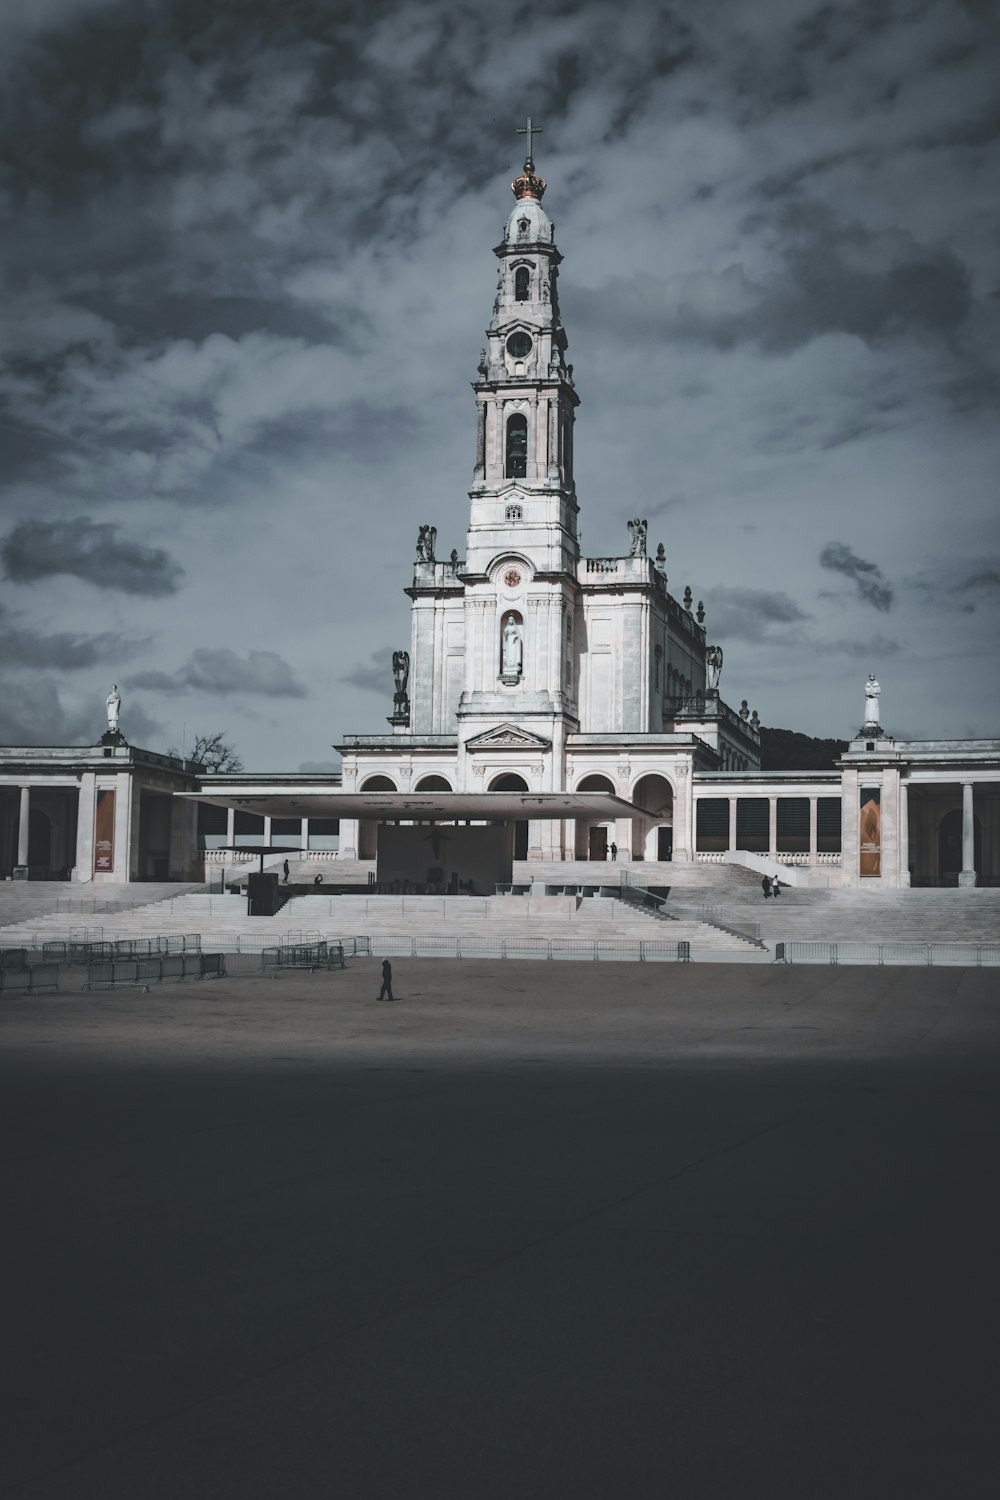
x,y
614,851
285,868
765,886
775,887
385,993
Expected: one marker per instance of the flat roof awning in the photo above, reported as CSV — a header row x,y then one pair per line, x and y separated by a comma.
x,y
421,807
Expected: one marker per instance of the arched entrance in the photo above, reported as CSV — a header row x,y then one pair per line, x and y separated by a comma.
x,y
432,784
654,834
510,782
950,847
592,839
368,830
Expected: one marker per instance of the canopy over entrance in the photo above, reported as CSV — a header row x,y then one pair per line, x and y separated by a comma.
x,y
463,856
419,807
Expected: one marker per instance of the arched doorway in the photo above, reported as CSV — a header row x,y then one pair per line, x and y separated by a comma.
x,y
654,834
950,847
592,839
432,784
368,829
511,782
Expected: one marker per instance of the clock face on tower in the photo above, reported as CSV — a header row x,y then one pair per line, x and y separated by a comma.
x,y
519,345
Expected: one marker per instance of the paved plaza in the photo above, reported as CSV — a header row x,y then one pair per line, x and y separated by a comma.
x,y
534,1230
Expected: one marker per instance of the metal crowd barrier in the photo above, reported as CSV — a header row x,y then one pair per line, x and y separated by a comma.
x,y
321,955
970,955
587,949
154,969
28,979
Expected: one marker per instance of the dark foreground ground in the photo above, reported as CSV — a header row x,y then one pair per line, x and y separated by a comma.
x,y
536,1230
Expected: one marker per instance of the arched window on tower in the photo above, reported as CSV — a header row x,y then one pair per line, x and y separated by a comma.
x,y
522,284
516,466
512,513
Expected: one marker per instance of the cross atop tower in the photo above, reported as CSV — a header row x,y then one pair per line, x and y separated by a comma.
x,y
528,130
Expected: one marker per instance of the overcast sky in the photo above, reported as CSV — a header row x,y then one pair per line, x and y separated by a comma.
x,y
246,271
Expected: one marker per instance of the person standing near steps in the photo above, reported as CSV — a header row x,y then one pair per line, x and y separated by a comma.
x,y
385,993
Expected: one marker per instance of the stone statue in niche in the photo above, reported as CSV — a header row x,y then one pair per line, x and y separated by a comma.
x,y
113,704
637,537
511,654
872,705
713,667
426,540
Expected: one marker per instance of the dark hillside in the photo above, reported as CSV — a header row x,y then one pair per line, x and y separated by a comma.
x,y
787,750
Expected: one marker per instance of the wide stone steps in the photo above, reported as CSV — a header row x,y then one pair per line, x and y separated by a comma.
x,y
222,921
920,916
28,900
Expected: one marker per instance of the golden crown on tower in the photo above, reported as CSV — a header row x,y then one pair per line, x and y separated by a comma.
x,y
528,184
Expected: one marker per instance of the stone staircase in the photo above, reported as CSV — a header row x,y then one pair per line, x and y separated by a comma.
x,y
28,901
27,915
920,916
223,923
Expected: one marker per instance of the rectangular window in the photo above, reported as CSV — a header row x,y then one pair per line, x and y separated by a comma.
x,y
752,823
793,825
712,824
828,814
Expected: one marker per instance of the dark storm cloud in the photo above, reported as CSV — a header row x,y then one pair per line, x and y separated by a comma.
x,y
871,583
750,614
959,587
218,670
834,278
98,553
39,716
374,675
870,649
65,650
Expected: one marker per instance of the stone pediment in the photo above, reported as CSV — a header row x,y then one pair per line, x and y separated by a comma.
x,y
507,737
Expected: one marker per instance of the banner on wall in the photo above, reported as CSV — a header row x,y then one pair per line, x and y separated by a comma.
x,y
104,830
871,831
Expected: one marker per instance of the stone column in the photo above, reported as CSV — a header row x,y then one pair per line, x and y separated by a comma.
x,y
481,440
267,832
772,826
903,835
684,819
813,829
967,874
732,822
185,860
84,867
553,465
304,835
849,850
230,827
23,827
348,838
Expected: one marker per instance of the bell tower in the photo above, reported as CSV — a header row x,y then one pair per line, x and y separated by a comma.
x,y
523,495
522,559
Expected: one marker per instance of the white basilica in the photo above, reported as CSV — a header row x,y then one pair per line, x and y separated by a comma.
x,y
572,700
530,667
